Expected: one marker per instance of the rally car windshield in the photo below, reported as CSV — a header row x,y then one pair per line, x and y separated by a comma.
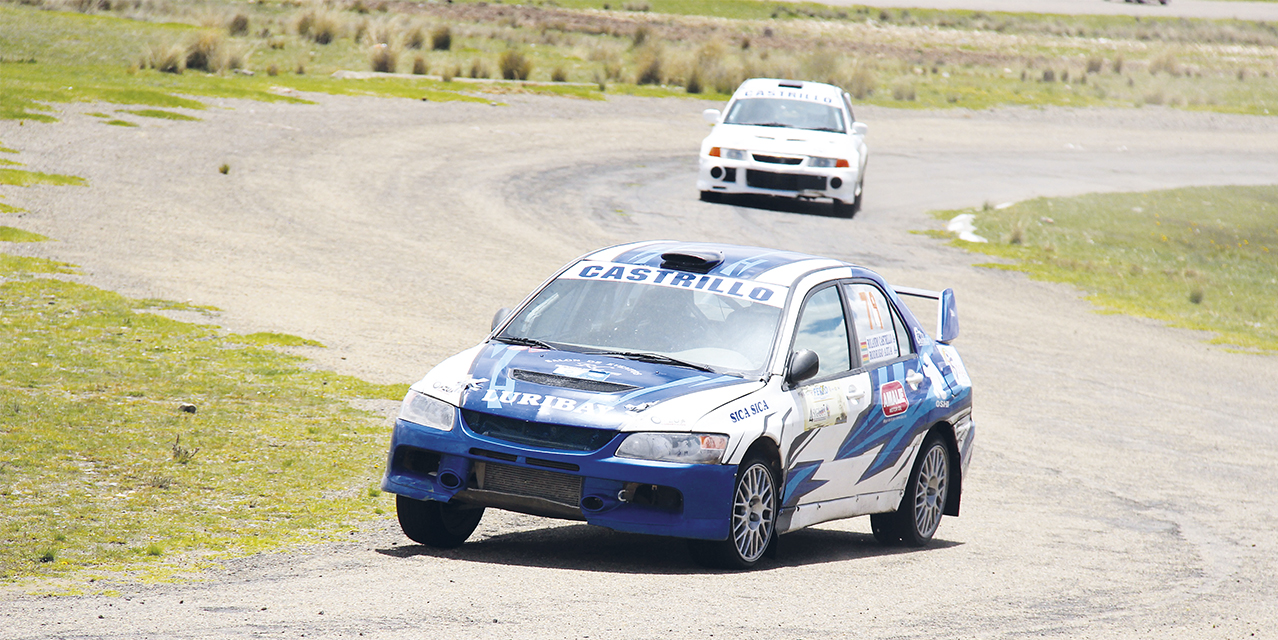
x,y
650,322
779,112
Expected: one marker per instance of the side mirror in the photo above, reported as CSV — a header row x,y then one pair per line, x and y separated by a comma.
x,y
860,128
803,365
711,115
499,318
949,329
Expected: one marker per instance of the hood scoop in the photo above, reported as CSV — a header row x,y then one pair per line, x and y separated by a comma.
x,y
568,382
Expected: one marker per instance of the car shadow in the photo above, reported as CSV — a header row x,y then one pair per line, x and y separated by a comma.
x,y
821,208
582,547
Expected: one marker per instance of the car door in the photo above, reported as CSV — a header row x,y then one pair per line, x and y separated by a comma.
x,y
827,406
899,387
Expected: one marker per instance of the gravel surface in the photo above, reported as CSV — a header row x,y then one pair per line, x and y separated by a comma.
x,y
1120,482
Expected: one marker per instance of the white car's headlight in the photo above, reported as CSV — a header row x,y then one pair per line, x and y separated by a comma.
x,y
814,161
422,409
688,448
730,154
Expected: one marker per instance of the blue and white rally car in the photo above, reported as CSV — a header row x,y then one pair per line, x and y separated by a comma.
x,y
787,139
718,393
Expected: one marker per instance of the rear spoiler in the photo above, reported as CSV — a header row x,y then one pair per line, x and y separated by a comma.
x,y
947,324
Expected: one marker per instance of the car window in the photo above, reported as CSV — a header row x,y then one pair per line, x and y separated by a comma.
x,y
823,329
728,333
779,112
880,333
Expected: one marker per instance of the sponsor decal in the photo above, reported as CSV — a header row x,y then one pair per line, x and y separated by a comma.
x,y
454,387
791,94
823,405
745,412
771,295
942,404
893,398
554,403
880,346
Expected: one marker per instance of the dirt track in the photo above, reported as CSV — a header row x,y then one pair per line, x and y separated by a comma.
x,y
1123,472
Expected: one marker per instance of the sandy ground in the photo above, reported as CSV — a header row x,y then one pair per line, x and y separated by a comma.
x,y
1122,484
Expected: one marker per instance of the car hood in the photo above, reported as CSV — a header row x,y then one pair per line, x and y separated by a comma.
x,y
563,387
776,140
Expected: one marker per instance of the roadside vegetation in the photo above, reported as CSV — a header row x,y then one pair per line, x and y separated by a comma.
x,y
166,54
1199,258
134,446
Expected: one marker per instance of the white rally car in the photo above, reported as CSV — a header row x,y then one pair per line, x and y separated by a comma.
x,y
786,138
718,393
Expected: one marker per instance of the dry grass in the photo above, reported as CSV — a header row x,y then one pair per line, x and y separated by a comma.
x,y
514,65
420,68
441,39
383,58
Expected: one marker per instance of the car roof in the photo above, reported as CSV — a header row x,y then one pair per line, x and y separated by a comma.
x,y
790,89
771,266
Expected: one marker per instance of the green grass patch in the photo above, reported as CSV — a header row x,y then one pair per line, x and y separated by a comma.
x,y
270,339
1200,258
20,178
5,208
10,234
137,446
159,113
115,122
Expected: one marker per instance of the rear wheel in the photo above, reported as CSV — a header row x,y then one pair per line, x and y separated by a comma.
x,y
919,513
753,526
444,525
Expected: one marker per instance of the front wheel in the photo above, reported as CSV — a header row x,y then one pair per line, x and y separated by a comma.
x,y
754,509
443,525
919,514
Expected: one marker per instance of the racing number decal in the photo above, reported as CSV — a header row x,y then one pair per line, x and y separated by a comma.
x,y
872,314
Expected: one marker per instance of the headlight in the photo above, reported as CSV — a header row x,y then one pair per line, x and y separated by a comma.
x,y
827,162
422,409
688,448
730,154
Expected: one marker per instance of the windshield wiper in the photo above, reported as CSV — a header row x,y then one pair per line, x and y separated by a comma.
x,y
652,357
827,129
527,342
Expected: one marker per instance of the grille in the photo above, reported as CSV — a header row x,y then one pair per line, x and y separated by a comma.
x,y
567,382
776,159
535,483
784,181
538,434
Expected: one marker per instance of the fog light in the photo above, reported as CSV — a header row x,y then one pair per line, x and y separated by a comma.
x,y
716,173
836,182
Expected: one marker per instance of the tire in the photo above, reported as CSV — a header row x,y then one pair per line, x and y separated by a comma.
x,y
444,525
850,209
919,514
753,525
711,196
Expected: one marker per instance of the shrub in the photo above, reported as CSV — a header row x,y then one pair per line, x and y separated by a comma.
x,y
1049,75
904,90
441,39
1165,62
1118,65
166,59
202,51
414,38
693,85
559,75
861,82
419,66
450,72
641,35
383,58
273,70
514,65
649,63
1094,65
479,69
238,25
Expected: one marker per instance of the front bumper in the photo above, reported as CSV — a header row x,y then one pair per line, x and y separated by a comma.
x,y
682,500
750,176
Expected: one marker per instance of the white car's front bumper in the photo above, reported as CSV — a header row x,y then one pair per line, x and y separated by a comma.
x,y
762,174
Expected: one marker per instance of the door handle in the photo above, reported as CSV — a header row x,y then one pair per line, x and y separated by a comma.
x,y
914,378
855,393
